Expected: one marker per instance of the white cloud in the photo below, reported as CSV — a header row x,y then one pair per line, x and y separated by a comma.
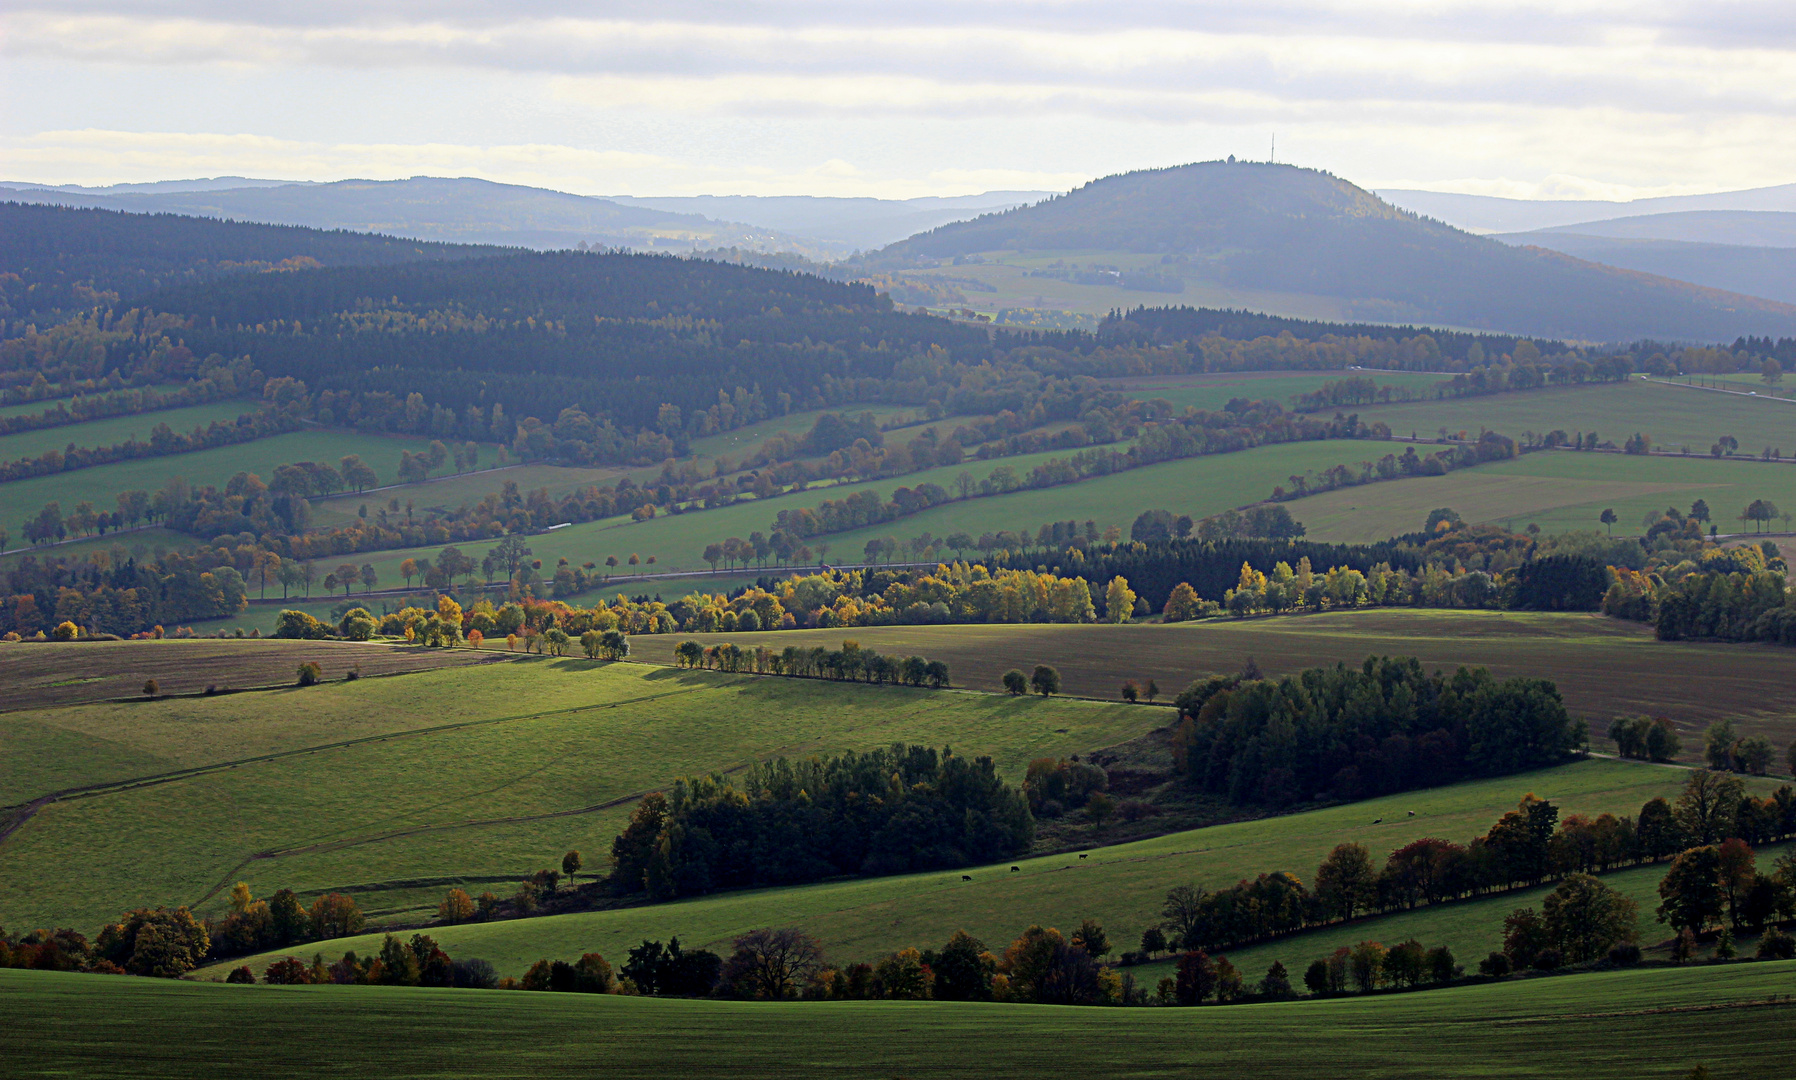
x,y
1597,98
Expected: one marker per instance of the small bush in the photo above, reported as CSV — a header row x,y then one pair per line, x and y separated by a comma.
x,y
353,674
211,689
1625,955
1016,683
1776,945
66,631
150,688
1496,965
310,673
1549,960
241,976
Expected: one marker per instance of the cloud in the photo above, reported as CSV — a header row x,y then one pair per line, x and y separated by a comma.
x,y
1588,95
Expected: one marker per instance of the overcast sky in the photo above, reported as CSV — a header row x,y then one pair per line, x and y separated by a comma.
x,y
1574,98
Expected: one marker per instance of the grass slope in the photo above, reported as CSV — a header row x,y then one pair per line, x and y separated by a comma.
x,y
504,768
1122,885
21,499
119,429
1603,667
1623,1025
1560,491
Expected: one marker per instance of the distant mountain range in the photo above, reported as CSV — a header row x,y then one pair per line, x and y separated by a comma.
x,y
858,224
1488,214
1281,229
1744,251
470,211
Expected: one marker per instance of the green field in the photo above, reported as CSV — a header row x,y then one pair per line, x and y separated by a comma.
x,y
556,751
677,541
1622,1025
1213,391
1197,486
1122,885
1559,490
99,485
1006,273
135,542
452,492
1673,416
118,429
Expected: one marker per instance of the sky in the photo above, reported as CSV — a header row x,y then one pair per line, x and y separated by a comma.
x,y
1527,99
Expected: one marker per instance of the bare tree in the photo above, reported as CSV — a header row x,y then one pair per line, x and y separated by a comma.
x,y
773,964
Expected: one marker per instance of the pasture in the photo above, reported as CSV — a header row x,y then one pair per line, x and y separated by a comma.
x,y
678,541
453,491
118,429
1603,667
1197,486
1673,416
21,499
1122,885
1621,1025
464,774
1559,490
1012,287
37,408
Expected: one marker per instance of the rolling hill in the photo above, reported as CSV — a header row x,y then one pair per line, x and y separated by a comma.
x,y
456,210
1302,233
1487,213
1759,270
67,259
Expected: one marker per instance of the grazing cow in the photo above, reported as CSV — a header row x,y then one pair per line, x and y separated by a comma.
x,y
1412,813
1084,856
1377,821
966,877
1014,869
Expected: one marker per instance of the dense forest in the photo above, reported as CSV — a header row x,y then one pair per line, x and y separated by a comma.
x,y
61,260
1386,726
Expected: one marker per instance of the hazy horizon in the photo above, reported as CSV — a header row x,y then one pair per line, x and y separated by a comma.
x,y
795,97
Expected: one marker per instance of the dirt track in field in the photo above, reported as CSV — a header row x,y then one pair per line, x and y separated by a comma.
x,y
36,675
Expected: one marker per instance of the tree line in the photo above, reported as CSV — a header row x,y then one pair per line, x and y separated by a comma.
x,y
1382,727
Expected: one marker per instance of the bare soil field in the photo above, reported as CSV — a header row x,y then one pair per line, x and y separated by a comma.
x,y
46,674
1603,667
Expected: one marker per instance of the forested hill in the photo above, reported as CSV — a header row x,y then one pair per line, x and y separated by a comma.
x,y
615,335
1283,229
65,259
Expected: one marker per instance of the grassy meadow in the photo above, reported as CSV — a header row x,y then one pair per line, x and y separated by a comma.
x,y
1673,416
1559,490
1603,667
120,429
21,499
1621,1025
1121,885
488,773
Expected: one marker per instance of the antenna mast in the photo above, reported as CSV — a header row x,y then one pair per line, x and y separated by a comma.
x,y
1274,158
